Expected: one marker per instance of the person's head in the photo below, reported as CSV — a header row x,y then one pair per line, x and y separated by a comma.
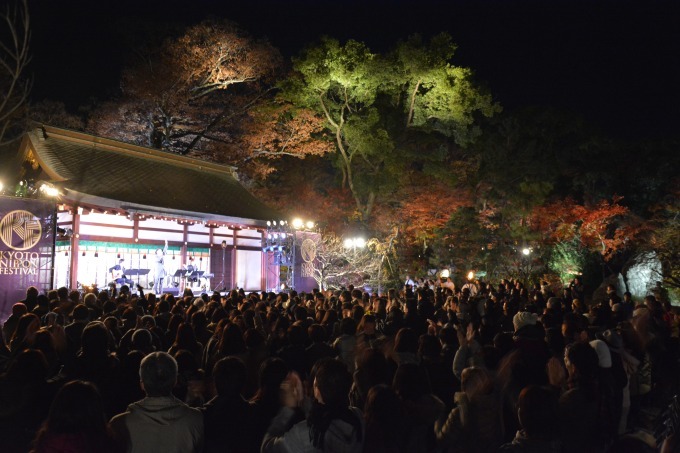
x,y
229,375
406,341
62,293
273,371
159,252
581,361
332,384
411,382
538,412
80,313
32,293
158,374
19,309
317,334
383,407
77,408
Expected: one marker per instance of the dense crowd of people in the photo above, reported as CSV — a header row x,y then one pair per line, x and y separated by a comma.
x,y
430,368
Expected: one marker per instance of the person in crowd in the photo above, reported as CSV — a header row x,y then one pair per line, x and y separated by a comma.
x,y
538,417
475,424
76,423
331,424
159,422
228,416
385,421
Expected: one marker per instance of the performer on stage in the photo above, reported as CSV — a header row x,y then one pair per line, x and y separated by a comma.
x,y
118,273
160,269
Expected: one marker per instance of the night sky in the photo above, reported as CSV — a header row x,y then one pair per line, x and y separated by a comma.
x,y
615,63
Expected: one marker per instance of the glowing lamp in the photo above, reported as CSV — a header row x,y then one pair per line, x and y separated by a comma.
x,y
526,251
310,224
470,275
445,273
297,223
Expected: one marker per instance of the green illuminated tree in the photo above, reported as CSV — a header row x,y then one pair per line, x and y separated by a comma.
x,y
388,113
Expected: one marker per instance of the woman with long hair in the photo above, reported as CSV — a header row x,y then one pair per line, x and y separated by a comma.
x,y
76,422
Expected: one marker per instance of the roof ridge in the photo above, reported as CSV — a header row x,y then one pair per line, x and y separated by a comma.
x,y
96,141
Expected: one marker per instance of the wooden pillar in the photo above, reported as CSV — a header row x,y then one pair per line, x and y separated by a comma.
x,y
263,261
233,255
75,250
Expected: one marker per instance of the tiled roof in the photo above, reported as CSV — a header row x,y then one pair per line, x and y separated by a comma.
x,y
92,167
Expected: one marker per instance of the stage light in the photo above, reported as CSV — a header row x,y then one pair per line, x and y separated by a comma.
x,y
49,190
470,275
283,235
2,186
445,273
144,256
269,223
83,253
526,251
274,223
349,243
310,224
297,223
360,243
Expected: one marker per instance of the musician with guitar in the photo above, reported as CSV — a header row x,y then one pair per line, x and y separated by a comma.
x,y
118,274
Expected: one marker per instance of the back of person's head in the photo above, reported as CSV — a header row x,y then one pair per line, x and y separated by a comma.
x,y
62,293
429,346
448,335
95,339
80,313
317,334
272,373
411,382
77,408
29,366
158,373
406,341
19,309
229,375
383,406
538,412
333,382
142,340
582,361
348,326
297,335
253,339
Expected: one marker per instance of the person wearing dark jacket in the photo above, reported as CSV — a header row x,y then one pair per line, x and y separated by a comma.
x,y
228,416
538,417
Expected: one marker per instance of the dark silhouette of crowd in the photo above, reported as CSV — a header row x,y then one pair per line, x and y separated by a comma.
x,y
429,368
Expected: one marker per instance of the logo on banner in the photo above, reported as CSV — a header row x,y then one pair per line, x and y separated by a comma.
x,y
308,253
20,230
308,250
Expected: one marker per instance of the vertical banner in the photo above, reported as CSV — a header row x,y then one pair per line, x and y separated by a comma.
x,y
306,246
26,248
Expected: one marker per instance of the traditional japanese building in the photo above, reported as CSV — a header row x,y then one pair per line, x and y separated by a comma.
x,y
116,201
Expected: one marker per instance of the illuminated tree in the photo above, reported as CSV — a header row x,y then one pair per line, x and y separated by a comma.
x,y
338,266
663,238
191,95
14,59
375,105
